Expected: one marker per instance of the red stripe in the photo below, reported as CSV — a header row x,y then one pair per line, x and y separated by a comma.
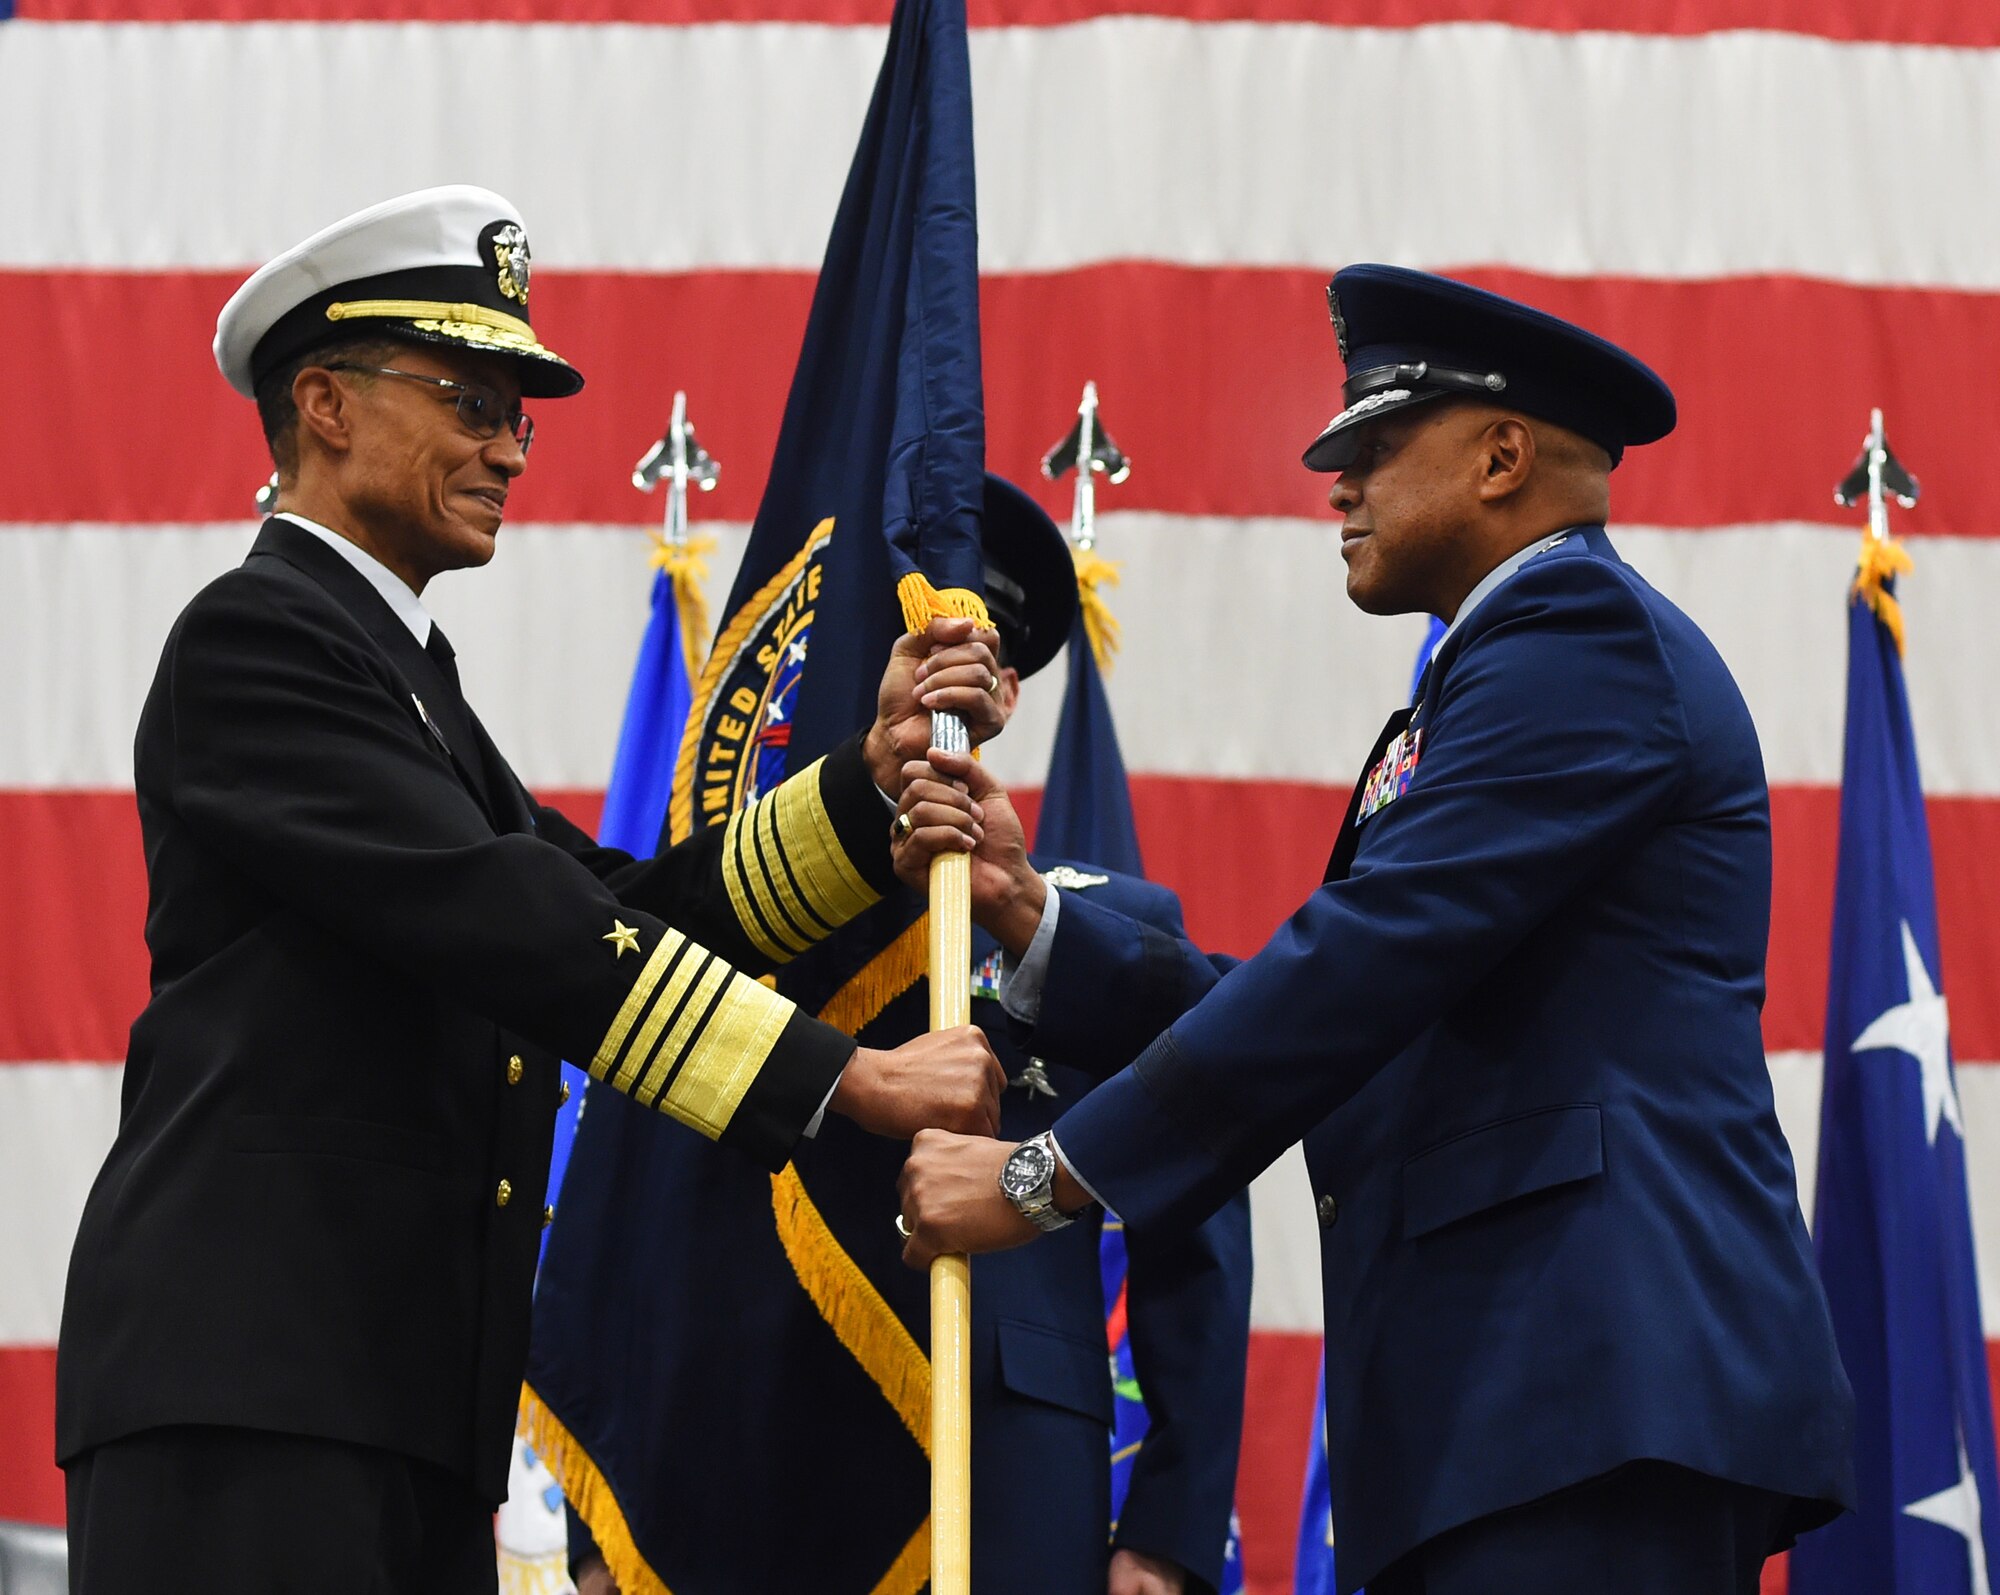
x,y
1910,22
31,1487
1243,855
1214,380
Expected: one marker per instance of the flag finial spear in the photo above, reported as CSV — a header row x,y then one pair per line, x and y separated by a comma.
x,y
680,459
1878,475
1088,450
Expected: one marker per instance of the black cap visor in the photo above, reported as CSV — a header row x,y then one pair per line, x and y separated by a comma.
x,y
1334,449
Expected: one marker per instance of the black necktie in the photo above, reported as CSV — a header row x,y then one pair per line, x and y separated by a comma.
x,y
445,658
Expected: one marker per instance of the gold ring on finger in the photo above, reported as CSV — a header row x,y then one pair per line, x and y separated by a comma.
x,y
904,826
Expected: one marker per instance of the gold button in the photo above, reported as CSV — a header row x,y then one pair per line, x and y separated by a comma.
x,y
514,1067
503,1194
548,1217
564,1097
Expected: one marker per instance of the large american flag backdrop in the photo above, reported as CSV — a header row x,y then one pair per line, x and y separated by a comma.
x,y
1788,206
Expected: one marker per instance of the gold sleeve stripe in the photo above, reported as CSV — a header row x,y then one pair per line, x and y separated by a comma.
x,y
784,884
673,1050
828,882
681,972
735,1039
757,876
747,913
634,1003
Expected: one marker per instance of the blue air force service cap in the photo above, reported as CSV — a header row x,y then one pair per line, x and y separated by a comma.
x,y
446,266
1408,337
1030,576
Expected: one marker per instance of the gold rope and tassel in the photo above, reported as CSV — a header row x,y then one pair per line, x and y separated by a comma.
x,y
590,1493
686,565
922,603
1882,559
1094,573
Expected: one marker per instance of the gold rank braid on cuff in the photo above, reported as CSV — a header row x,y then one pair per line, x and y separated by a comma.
x,y
691,1035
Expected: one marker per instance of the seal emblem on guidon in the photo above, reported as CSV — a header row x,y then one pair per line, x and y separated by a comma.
x,y
1339,321
510,258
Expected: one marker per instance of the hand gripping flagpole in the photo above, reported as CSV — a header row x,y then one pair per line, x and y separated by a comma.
x,y
951,1275
1879,476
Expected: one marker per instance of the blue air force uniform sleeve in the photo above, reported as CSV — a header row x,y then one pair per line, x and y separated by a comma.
x,y
1555,737
310,773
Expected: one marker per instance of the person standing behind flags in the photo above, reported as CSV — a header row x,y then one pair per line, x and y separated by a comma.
x,y
1041,1378
1575,1340
297,1309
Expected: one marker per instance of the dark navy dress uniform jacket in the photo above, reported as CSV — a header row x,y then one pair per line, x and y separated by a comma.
x,y
1518,1031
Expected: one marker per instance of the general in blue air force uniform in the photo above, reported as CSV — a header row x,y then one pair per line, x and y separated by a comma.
x,y
297,1310
1574,1337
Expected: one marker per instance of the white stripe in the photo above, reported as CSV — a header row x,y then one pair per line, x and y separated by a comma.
x,y
1257,144
1242,656
57,1121
56,1124
1286,1236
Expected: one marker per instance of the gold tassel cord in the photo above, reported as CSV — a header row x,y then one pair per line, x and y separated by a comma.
x,y
590,1493
1882,560
1094,573
686,565
922,603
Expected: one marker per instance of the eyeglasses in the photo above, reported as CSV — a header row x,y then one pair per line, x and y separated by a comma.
x,y
479,409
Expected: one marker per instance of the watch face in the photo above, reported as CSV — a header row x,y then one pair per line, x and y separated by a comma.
x,y
1026,1168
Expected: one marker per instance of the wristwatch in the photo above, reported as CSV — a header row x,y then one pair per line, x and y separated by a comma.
x,y
1028,1180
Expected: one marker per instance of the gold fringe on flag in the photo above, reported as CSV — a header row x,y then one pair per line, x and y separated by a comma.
x,y
587,1491
1882,559
686,565
1094,573
923,603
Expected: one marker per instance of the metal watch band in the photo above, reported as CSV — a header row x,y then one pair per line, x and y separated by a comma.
x,y
1038,1206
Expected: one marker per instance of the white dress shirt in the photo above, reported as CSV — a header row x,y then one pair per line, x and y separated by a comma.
x,y
395,591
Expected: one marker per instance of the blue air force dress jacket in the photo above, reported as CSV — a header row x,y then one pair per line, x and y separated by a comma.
x,y
1518,1032
370,948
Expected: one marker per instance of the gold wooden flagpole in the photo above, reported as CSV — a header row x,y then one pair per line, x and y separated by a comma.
x,y
951,1276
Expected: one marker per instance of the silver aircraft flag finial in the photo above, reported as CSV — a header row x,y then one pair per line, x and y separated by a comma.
x,y
1877,477
679,459
1088,450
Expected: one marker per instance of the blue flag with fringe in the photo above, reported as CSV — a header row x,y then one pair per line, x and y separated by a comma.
x,y
1892,1227
711,1340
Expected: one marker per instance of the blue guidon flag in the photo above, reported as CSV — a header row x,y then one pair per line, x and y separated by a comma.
x,y
708,1343
1892,1228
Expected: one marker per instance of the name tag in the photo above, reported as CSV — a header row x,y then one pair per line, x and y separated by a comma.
x,y
1391,778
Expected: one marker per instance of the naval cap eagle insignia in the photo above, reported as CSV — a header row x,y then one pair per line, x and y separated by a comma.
x,y
509,243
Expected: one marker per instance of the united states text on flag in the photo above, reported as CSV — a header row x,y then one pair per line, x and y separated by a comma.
x,y
1784,205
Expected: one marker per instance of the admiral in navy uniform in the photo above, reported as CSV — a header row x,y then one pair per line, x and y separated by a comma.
x,y
1574,1337
1040,1379
297,1310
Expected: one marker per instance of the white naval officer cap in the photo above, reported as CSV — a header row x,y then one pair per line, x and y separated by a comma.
x,y
448,266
